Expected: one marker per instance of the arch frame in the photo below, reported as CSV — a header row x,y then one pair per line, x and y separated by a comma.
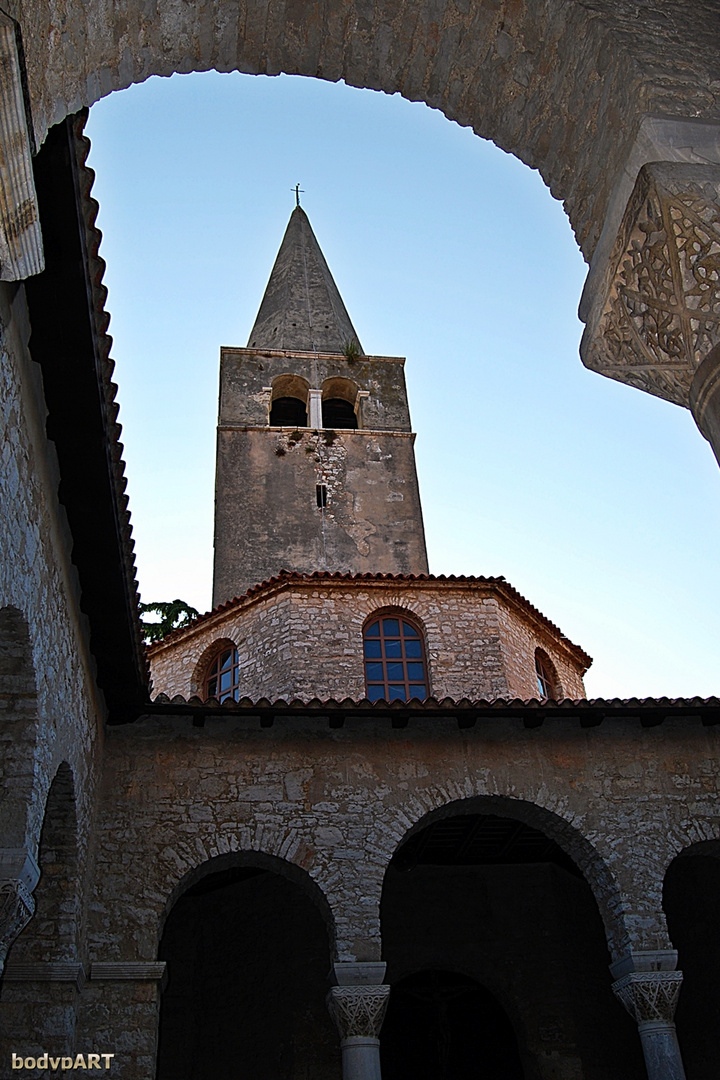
x,y
593,867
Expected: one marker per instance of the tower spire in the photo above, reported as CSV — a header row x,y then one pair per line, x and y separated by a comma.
x,y
302,310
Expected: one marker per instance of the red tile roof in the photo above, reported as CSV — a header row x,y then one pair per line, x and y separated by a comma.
x,y
288,577
650,712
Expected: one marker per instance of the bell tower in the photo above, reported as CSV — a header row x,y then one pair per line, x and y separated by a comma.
x,y
315,454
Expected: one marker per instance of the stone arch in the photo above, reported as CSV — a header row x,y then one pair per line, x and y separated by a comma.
x,y
340,387
566,835
691,893
262,860
39,1008
20,804
529,925
199,673
544,664
248,950
288,385
52,934
513,72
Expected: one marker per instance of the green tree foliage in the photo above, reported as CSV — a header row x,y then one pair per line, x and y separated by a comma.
x,y
165,617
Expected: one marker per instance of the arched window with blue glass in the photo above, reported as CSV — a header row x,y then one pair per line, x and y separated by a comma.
x,y
395,663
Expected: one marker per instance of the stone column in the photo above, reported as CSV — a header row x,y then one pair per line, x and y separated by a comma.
x,y
19,874
653,319
357,1006
705,399
315,409
648,986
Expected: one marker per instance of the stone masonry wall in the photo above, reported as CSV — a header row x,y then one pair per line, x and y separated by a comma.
x,y
562,85
37,581
266,513
622,800
304,639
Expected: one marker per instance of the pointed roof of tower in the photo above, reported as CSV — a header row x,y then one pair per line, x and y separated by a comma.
x,y
302,310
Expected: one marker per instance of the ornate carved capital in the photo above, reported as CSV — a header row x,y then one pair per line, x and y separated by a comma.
x,y
657,313
650,996
358,1010
17,908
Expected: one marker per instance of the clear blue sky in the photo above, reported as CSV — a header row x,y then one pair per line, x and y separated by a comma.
x,y
599,503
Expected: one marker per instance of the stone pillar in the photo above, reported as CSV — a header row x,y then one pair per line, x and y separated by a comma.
x,y
19,874
315,409
358,1005
705,399
648,986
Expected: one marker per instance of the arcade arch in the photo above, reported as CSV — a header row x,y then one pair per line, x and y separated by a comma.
x,y
247,941
691,894
474,897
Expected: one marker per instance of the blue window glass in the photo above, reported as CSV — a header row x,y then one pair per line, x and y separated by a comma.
x,y
222,680
395,667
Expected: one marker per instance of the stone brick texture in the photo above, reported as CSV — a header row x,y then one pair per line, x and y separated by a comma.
x,y
267,516
303,639
49,707
622,800
562,85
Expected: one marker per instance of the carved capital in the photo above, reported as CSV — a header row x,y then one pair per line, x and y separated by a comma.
x,y
650,996
358,1010
656,315
17,908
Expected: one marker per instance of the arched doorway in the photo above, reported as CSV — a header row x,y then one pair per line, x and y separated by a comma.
x,y
445,1026
691,895
248,954
500,904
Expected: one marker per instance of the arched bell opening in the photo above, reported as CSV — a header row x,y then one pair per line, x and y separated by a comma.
x,y
691,895
499,903
441,1025
247,948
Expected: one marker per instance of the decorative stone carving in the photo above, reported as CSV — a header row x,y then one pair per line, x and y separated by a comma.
x,y
21,251
358,1011
17,908
650,996
658,313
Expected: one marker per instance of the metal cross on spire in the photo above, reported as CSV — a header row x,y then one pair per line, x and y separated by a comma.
x,y
298,192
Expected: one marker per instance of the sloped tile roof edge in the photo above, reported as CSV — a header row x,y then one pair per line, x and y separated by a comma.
x,y
286,577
